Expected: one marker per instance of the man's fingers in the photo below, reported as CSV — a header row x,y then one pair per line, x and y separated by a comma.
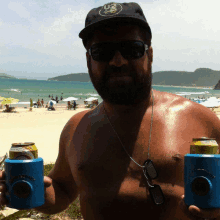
x,y
47,181
2,175
3,200
193,212
204,213
2,187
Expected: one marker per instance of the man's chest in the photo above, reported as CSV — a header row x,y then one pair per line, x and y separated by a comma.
x,y
99,159
100,154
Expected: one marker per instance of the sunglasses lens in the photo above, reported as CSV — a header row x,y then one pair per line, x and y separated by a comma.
x,y
133,49
129,50
101,52
150,169
157,194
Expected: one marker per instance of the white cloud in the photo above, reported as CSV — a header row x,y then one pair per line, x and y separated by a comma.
x,y
193,19
19,9
66,26
186,34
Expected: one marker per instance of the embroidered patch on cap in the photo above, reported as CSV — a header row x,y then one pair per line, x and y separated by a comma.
x,y
110,9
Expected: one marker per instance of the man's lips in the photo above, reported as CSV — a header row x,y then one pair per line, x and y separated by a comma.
x,y
118,75
120,79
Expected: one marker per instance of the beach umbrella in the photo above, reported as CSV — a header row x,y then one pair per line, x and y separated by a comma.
x,y
212,102
213,99
9,101
14,101
90,99
54,102
70,99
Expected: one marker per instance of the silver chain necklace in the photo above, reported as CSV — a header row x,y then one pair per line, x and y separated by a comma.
x,y
152,114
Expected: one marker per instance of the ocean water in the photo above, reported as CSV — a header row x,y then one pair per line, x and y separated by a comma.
x,y
41,89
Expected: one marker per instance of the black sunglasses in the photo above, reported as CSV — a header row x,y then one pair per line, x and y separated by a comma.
x,y
155,191
105,51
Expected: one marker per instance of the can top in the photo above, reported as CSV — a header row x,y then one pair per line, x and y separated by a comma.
x,y
203,139
22,144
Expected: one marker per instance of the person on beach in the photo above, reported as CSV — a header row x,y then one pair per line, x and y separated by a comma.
x,y
31,104
38,103
42,103
102,151
68,105
51,107
74,105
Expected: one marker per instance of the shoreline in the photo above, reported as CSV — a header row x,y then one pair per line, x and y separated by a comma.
x,y
193,87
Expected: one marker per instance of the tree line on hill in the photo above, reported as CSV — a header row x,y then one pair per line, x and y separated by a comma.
x,y
6,76
204,77
200,77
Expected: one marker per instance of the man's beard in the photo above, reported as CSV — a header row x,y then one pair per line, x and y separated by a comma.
x,y
122,93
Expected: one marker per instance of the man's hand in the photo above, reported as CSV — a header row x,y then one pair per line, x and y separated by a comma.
x,y
195,213
3,189
3,200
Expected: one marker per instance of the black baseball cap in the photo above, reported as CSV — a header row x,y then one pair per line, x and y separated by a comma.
x,y
130,13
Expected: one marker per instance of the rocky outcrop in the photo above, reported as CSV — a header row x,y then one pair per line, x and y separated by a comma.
x,y
217,86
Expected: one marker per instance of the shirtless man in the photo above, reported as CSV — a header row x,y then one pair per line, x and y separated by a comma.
x,y
93,161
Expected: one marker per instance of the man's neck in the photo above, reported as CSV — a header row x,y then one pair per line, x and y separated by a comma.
x,y
128,111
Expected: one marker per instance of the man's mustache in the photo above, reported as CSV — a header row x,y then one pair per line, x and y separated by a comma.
x,y
118,71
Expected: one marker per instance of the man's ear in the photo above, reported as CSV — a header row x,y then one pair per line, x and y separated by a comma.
x,y
150,54
87,59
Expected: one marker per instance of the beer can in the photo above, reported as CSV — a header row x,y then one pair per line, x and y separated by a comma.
x,y
23,151
204,145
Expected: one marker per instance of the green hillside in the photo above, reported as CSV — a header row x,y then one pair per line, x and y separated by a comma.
x,y
80,77
200,77
6,76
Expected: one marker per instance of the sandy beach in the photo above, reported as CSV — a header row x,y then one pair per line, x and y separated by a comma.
x,y
40,126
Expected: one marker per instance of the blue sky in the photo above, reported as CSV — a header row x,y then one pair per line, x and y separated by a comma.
x,y
39,38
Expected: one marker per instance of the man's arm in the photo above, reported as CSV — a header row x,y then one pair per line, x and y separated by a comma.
x,y
210,123
63,189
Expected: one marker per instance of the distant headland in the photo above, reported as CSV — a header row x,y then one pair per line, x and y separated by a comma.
x,y
79,77
6,76
201,77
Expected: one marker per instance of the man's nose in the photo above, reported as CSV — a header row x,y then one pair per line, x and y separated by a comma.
x,y
118,60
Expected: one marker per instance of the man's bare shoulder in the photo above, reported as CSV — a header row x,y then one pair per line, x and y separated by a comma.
x,y
181,108
75,119
180,104
81,118
73,122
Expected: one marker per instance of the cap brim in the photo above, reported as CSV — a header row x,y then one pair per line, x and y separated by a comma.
x,y
125,20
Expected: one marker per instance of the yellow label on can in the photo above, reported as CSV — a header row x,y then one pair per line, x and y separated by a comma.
x,y
204,146
22,151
